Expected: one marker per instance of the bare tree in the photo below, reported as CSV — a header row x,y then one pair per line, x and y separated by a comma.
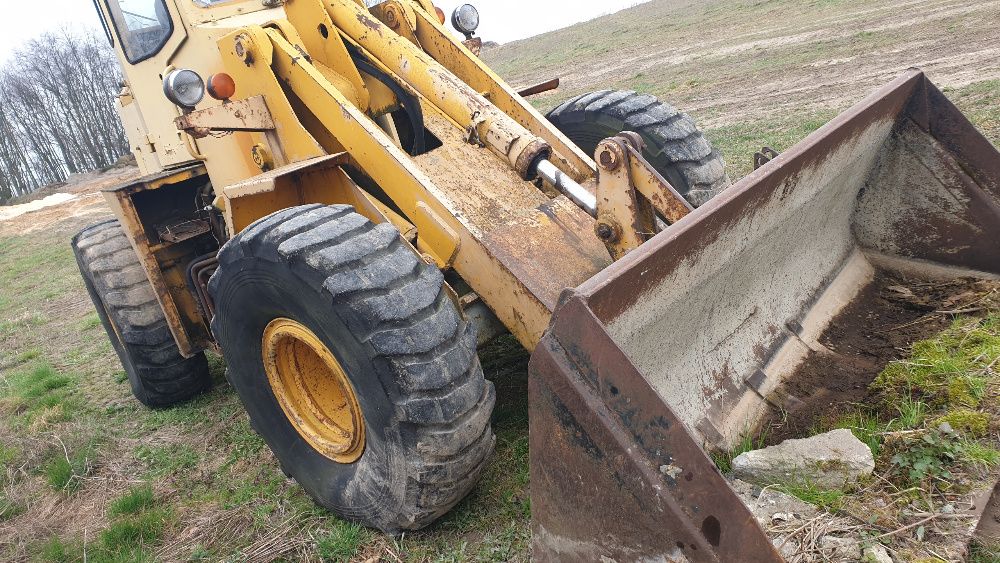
x,y
57,111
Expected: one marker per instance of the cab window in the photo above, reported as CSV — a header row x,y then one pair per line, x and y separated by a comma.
x,y
143,27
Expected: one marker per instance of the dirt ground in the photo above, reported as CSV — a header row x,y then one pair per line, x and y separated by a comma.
x,y
752,71
733,62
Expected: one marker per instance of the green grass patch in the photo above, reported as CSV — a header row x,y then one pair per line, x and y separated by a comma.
x,y
8,454
9,509
64,472
341,543
946,373
864,425
41,391
91,321
826,499
136,500
740,141
169,459
129,534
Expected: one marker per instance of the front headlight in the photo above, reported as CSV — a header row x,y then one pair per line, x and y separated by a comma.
x,y
465,18
184,88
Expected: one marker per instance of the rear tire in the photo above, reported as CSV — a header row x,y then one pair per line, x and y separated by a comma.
x,y
674,145
408,354
127,306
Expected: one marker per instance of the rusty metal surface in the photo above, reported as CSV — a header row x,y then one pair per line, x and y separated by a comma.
x,y
614,472
546,86
250,114
715,300
678,345
191,338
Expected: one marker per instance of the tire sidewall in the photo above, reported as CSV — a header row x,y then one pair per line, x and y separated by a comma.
x,y
252,293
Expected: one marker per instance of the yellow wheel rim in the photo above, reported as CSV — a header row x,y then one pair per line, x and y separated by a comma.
x,y
313,389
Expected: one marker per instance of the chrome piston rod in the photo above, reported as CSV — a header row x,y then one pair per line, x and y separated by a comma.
x,y
575,192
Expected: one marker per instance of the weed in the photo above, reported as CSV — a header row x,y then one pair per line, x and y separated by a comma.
x,y
136,500
341,543
926,456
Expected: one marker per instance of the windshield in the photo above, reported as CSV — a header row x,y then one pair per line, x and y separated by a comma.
x,y
143,27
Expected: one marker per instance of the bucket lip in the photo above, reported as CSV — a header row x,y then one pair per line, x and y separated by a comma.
x,y
687,235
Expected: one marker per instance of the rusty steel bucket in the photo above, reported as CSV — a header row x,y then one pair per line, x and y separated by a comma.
x,y
678,348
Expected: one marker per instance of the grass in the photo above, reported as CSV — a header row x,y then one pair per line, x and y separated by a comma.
x,y
59,374
66,469
127,535
826,499
134,501
740,141
40,394
341,543
749,441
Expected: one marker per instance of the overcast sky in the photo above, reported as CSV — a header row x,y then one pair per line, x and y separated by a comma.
x,y
502,20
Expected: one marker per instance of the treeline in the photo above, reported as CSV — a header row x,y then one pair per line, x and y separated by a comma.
x,y
57,111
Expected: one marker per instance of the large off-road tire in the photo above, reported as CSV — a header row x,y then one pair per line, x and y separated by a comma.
x,y
674,145
405,357
127,306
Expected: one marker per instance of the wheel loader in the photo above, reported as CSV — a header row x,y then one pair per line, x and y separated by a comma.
x,y
344,201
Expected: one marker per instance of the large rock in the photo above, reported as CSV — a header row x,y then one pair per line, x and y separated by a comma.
x,y
826,461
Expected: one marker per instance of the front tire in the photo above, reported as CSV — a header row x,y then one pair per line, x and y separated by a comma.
x,y
674,145
127,306
356,290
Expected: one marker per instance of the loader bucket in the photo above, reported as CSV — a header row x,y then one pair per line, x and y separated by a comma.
x,y
678,348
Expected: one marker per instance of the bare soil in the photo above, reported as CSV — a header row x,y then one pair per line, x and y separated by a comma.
x,y
734,61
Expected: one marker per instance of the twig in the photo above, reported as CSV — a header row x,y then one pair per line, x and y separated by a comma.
x,y
961,311
916,322
909,526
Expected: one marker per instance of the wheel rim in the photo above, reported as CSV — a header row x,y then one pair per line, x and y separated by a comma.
x,y
314,391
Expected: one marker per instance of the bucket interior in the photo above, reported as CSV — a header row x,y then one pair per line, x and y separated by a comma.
x,y
723,312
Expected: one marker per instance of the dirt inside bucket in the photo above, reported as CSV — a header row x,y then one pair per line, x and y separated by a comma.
x,y
878,327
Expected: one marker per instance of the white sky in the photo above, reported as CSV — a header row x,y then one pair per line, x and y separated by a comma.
x,y
502,20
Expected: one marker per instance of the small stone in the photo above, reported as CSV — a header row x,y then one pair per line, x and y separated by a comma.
x,y
840,549
946,428
788,549
948,509
877,554
770,505
827,461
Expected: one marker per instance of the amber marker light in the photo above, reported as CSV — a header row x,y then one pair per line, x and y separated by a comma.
x,y
221,86
440,14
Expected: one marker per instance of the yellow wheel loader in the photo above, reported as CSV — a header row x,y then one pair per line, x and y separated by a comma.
x,y
345,201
